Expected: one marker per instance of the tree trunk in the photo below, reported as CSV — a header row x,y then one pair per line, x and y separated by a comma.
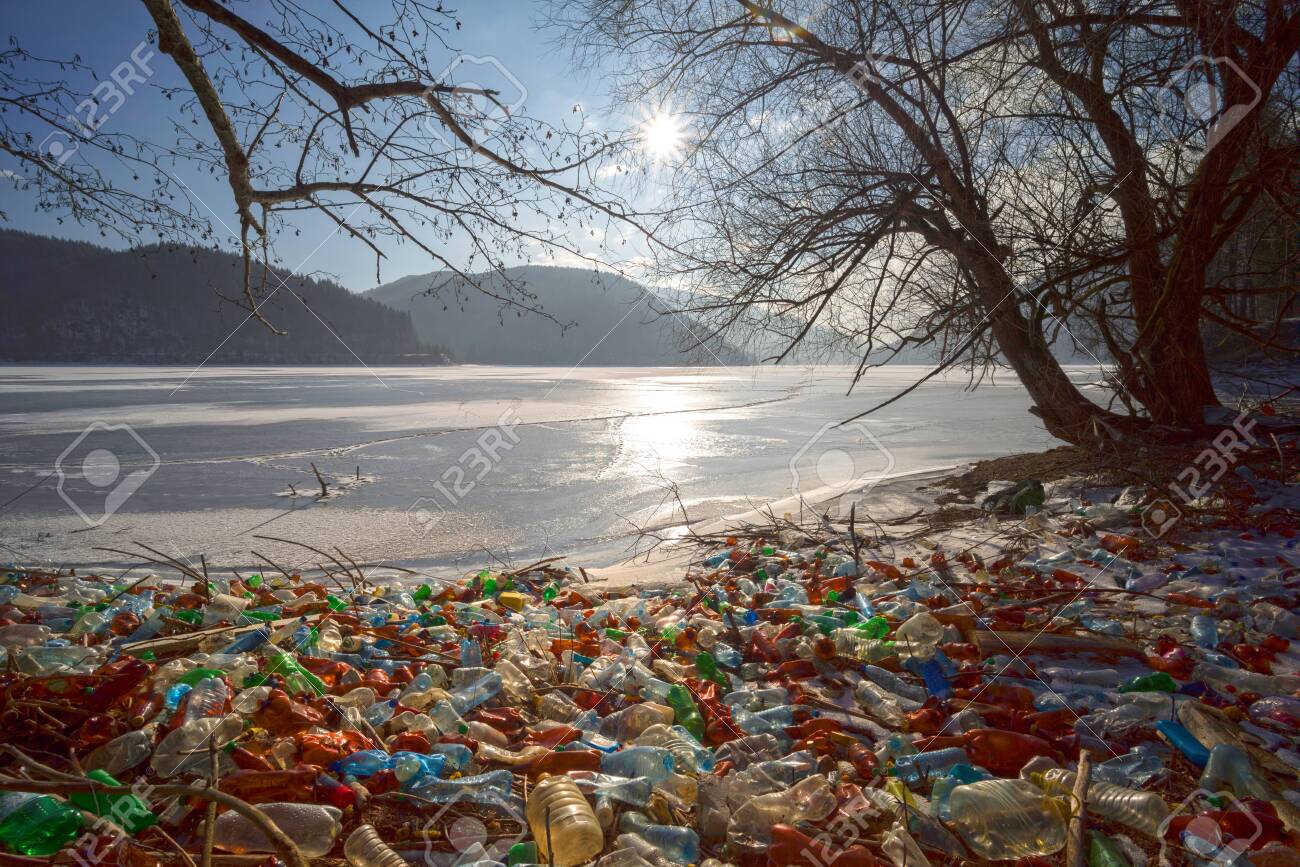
x,y
1178,378
1065,411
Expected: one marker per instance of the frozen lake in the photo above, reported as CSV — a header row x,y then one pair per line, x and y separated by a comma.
x,y
458,465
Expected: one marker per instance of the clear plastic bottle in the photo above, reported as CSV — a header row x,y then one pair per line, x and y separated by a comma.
x,y
811,799
677,844
895,684
914,768
689,755
626,724
558,707
652,763
364,848
1007,819
185,750
123,752
919,637
19,635
1141,811
313,827
1230,766
563,824
207,699
856,644
474,694
1204,631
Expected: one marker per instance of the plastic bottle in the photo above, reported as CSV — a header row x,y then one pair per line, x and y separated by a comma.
x,y
855,644
1204,631
685,713
493,787
689,756
1183,741
313,827
364,848
185,750
1157,682
207,699
1141,811
1137,767
563,823
1102,852
627,724
123,752
604,786
37,825
895,684
652,763
467,698
1230,766
128,811
914,768
1007,819
678,844
445,717
811,799
919,637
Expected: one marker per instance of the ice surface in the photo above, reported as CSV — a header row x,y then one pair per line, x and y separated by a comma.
x,y
592,453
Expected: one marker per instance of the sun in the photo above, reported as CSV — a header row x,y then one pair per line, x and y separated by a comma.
x,y
662,136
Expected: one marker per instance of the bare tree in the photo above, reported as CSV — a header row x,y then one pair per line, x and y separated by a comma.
x,y
979,177
350,110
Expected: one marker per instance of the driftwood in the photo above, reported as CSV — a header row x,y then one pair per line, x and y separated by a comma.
x,y
1049,643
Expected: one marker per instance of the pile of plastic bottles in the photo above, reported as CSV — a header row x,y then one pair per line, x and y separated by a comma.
x,y
787,704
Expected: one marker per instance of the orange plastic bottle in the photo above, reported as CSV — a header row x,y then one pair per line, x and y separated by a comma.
x,y
264,787
281,715
1004,753
563,761
791,848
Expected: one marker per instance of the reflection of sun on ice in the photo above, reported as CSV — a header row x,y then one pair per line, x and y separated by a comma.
x,y
662,135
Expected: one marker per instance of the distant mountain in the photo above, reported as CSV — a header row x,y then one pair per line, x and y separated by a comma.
x,y
614,321
66,301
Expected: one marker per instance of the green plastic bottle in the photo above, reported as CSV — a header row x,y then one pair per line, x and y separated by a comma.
x,y
188,615
423,592
707,666
37,825
1102,852
522,853
686,714
1157,682
128,811
876,627
254,581
191,678
296,678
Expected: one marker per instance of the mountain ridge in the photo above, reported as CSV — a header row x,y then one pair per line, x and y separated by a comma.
x,y
71,301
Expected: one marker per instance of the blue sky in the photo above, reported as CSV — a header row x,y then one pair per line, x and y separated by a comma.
x,y
105,33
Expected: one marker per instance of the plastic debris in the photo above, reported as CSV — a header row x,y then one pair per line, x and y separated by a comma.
x,y
803,697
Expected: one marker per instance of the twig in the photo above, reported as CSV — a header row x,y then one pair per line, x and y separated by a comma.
x,y
210,820
1074,851
324,488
